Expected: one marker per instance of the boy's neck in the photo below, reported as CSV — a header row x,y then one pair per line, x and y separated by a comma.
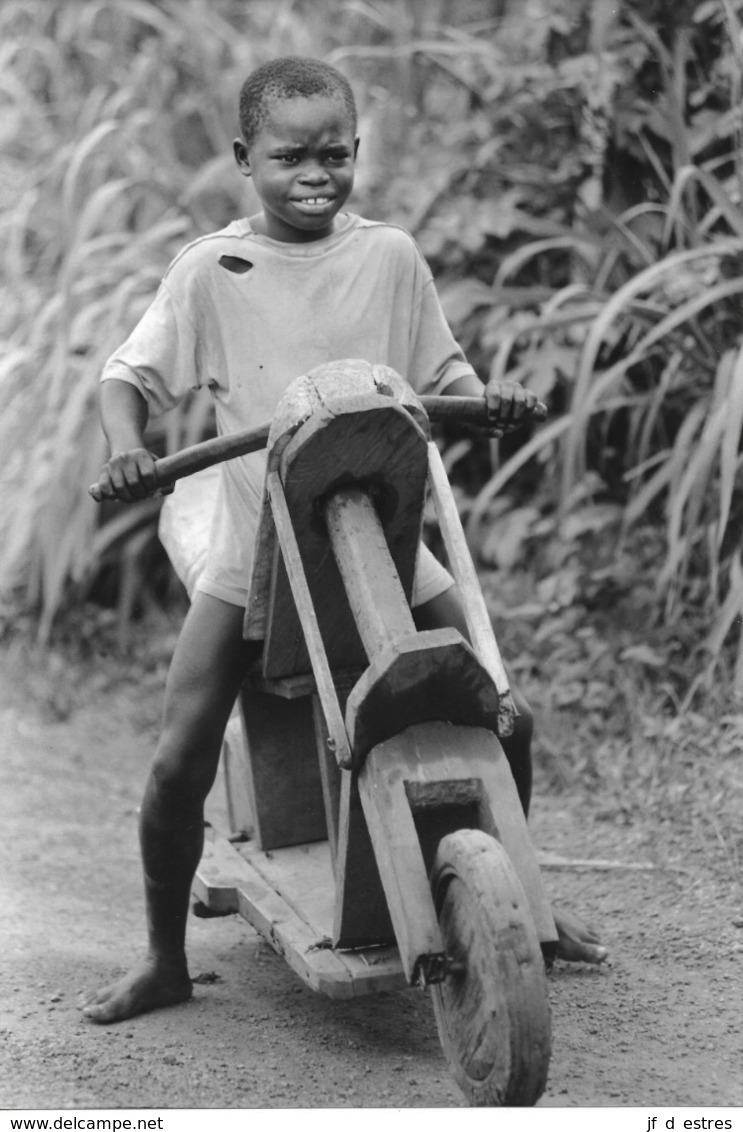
x,y
293,236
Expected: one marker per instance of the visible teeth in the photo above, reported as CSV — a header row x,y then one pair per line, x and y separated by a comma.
x,y
316,200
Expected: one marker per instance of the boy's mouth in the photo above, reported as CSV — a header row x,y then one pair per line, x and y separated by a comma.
x,y
313,204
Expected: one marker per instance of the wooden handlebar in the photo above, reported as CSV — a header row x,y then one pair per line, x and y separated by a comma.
x,y
470,411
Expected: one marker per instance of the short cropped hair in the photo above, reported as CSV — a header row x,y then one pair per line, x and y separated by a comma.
x,y
293,76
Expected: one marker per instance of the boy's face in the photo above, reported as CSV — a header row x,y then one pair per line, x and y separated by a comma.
x,y
302,165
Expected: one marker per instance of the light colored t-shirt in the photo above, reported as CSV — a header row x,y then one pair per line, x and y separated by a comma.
x,y
365,292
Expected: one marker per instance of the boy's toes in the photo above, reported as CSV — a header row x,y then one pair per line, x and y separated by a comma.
x,y
102,1012
576,942
577,951
90,998
102,1005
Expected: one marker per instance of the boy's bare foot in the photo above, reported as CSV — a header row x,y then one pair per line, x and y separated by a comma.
x,y
153,983
577,943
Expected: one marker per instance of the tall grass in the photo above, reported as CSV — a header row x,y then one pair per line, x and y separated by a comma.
x,y
627,321
674,399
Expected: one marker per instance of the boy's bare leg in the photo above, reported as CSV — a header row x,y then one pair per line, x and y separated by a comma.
x,y
205,675
577,943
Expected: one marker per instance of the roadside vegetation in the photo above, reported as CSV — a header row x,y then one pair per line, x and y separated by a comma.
x,y
573,171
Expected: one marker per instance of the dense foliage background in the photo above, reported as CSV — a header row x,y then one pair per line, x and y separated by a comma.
x,y
572,170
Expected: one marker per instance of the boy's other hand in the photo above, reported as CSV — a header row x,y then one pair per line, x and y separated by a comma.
x,y
509,403
128,476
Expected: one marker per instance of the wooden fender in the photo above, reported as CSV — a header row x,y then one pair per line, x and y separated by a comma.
x,y
426,676
426,782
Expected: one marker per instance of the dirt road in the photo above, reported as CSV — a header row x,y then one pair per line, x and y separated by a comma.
x,y
660,1025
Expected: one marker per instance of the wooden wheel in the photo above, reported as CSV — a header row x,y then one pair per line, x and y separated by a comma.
x,y
492,1011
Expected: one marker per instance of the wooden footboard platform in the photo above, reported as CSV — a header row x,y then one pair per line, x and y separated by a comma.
x,y
287,896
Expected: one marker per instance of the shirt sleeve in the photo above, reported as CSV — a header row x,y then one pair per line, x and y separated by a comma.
x,y
161,357
437,358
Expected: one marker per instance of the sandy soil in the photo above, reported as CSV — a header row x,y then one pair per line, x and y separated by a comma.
x,y
659,1025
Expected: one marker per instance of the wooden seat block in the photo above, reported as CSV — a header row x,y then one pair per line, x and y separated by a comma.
x,y
282,774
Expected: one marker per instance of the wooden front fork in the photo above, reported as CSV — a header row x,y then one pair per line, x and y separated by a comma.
x,y
383,616
425,766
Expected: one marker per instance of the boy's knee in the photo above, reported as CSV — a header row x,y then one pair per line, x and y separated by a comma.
x,y
183,768
177,793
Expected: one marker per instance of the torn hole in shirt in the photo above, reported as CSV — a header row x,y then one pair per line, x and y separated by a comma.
x,y
235,263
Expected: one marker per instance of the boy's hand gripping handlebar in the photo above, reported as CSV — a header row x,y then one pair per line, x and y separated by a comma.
x,y
469,411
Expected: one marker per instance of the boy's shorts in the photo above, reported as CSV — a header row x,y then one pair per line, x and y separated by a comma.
x,y
185,525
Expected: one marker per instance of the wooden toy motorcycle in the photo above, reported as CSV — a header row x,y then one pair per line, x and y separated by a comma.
x,y
388,846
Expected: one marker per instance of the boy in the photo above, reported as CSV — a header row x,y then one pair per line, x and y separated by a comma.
x,y
245,311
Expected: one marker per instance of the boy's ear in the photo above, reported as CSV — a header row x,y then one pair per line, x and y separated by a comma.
x,y
240,151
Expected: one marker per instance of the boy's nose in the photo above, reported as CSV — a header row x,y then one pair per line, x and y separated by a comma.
x,y
314,175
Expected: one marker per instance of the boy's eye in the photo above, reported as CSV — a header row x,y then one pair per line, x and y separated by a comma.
x,y
329,157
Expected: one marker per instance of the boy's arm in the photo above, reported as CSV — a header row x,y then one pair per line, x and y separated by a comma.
x,y
129,473
507,401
